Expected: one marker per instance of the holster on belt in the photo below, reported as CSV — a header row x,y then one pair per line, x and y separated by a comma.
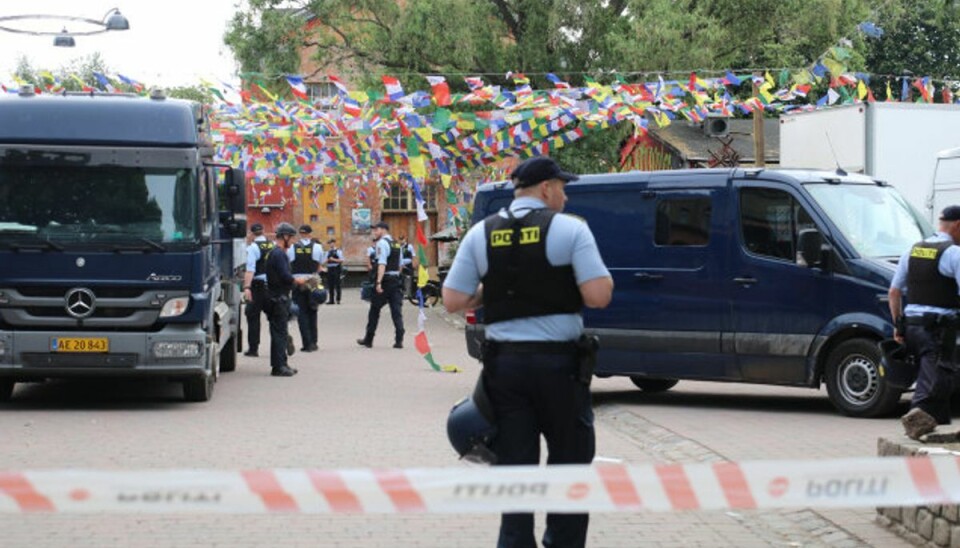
x,y
587,347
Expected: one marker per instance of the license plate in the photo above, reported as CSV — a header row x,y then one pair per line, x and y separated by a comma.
x,y
79,344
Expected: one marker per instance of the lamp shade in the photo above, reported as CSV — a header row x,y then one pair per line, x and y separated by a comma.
x,y
64,40
117,21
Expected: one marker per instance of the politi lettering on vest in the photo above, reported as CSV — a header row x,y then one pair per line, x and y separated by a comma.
x,y
845,488
924,253
500,238
504,490
171,497
504,237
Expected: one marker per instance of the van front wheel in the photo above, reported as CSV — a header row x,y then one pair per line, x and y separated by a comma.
x,y
653,385
853,380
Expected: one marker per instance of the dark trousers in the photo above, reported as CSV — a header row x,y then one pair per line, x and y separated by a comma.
x,y
333,284
278,312
306,318
391,295
534,395
252,311
936,376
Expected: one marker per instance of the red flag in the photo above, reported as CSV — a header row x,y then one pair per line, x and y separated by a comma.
x,y
421,238
441,91
420,341
692,85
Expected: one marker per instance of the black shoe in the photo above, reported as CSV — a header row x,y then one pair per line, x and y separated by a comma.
x,y
290,346
338,302
398,345
283,372
331,302
314,348
363,342
251,353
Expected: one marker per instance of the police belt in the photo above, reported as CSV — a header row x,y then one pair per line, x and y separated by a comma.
x,y
258,283
931,320
532,347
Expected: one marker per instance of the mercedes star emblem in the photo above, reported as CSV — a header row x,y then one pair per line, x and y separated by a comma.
x,y
80,302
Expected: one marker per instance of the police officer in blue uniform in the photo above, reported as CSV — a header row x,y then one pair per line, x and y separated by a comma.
x,y
306,256
280,281
334,271
255,286
929,275
387,289
533,269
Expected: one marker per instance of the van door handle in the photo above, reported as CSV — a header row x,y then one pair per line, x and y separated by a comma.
x,y
745,281
648,276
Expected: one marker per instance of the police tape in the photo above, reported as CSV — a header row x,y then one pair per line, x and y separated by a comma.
x,y
888,481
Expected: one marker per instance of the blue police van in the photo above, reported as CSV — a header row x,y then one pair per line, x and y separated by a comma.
x,y
743,275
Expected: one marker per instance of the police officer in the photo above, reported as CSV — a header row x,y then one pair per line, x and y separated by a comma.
x,y
306,260
334,270
387,288
929,275
280,281
406,263
255,286
533,269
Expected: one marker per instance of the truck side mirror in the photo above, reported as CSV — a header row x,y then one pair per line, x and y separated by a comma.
x,y
236,190
811,248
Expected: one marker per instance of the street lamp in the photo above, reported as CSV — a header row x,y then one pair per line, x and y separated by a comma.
x,y
112,20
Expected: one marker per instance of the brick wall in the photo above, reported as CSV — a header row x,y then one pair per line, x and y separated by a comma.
x,y
937,525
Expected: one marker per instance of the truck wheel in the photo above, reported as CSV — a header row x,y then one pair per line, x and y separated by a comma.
x,y
653,385
199,389
853,380
228,356
6,389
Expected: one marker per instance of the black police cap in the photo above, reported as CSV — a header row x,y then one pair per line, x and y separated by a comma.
x,y
950,213
382,225
256,228
306,229
536,170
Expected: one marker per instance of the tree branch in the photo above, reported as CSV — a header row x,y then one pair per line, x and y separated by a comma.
x,y
508,17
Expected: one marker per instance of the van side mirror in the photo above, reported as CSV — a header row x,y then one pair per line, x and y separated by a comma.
x,y
812,250
236,190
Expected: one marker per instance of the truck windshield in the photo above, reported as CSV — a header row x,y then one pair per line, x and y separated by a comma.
x,y
97,206
876,220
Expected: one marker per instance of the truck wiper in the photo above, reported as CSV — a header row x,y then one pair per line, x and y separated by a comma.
x,y
40,245
148,245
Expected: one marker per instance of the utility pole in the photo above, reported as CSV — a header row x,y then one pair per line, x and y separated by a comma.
x,y
758,137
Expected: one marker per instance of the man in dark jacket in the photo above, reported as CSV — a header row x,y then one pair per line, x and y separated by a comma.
x,y
280,281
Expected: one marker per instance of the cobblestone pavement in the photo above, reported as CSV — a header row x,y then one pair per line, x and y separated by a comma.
x,y
354,407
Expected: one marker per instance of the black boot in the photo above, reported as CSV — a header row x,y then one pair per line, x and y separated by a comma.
x,y
365,342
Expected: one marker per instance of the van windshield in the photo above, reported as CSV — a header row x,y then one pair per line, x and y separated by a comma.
x,y
876,220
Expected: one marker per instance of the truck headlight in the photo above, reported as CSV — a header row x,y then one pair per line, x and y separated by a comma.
x,y
177,349
174,307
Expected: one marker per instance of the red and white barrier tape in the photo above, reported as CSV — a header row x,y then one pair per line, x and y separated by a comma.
x,y
891,481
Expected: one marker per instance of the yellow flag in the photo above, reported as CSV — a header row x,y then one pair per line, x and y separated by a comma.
x,y
861,90
446,180
422,276
889,93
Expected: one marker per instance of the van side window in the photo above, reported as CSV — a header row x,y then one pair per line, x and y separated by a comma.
x,y
683,221
770,221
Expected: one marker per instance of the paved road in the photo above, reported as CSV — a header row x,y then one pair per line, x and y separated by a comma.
x,y
354,407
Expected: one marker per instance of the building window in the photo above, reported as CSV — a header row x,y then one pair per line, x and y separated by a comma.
x,y
331,207
402,198
314,218
398,199
322,94
331,232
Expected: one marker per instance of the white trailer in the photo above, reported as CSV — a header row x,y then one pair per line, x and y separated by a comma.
x,y
946,179
893,142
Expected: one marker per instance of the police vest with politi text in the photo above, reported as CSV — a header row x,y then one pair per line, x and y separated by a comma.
x,y
520,281
925,285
